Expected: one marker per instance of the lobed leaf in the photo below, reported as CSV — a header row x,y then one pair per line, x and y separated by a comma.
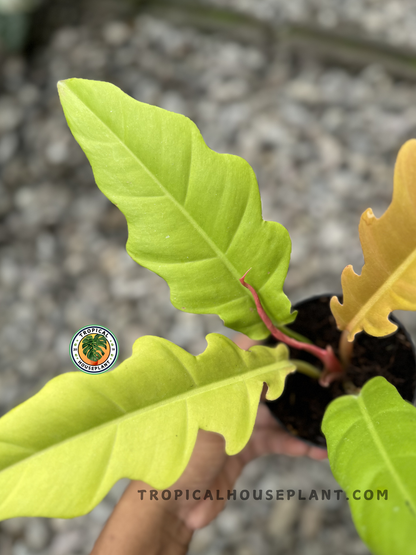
x,y
372,447
63,449
388,278
193,215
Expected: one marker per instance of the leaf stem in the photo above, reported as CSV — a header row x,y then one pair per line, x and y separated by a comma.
x,y
345,348
306,368
332,366
294,334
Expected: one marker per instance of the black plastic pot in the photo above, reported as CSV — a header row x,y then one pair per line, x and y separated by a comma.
x,y
301,407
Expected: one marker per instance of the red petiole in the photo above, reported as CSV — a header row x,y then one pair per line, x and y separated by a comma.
x,y
332,366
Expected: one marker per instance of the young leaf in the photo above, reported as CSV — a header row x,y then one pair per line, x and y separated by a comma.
x,y
194,216
388,278
372,447
63,449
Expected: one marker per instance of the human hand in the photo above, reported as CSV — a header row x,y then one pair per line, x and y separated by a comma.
x,y
210,468
153,527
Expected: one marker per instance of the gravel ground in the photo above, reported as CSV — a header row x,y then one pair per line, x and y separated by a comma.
x,y
322,142
391,21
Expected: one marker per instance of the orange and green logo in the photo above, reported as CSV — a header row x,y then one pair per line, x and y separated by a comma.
x,y
94,349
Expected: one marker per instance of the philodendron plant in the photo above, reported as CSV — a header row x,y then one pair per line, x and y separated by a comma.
x,y
194,218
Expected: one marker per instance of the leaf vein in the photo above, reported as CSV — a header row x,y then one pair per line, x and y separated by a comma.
x,y
97,497
237,228
221,255
200,390
379,445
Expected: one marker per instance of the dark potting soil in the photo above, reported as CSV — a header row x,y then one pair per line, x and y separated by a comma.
x,y
302,405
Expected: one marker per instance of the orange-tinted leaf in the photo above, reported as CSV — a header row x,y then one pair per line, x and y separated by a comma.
x,y
388,278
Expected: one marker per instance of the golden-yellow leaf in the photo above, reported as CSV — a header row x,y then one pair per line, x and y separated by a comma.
x,y
388,278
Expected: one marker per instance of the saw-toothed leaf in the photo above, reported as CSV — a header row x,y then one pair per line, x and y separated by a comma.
x,y
388,278
194,216
63,449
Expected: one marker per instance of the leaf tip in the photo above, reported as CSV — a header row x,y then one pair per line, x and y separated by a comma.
x,y
336,309
407,148
61,86
64,84
368,217
334,302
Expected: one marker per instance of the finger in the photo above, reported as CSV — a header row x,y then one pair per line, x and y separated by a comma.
x,y
265,418
264,392
269,435
285,444
206,510
317,453
278,442
245,342
207,459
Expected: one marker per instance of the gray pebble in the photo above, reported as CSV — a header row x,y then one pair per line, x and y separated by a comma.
x,y
37,534
116,33
14,526
19,548
8,146
67,542
230,523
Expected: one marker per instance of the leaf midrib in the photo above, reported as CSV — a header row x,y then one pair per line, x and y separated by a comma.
x,y
222,256
278,365
389,463
361,314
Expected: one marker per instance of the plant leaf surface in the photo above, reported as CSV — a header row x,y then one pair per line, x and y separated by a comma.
x,y
63,449
372,446
193,215
388,278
